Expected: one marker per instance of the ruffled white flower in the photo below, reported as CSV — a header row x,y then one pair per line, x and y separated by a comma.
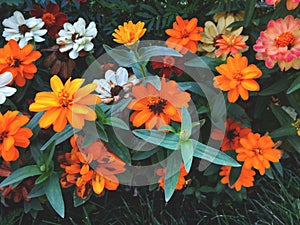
x,y
110,88
21,30
77,37
5,91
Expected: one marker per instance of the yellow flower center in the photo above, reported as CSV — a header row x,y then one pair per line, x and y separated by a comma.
x,y
48,18
238,75
156,104
286,39
13,62
257,151
2,136
64,100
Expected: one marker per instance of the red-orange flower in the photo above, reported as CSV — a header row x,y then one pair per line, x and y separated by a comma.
x,y
157,107
257,152
53,18
184,35
231,44
67,103
18,61
245,179
237,77
93,167
12,135
168,65
181,180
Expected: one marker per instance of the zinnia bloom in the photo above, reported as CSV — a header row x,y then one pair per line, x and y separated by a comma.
x,y
157,107
237,77
18,61
245,179
232,44
19,29
290,4
234,131
280,43
129,33
93,167
52,17
181,180
67,103
5,91
257,152
114,83
77,38
12,135
184,35
168,65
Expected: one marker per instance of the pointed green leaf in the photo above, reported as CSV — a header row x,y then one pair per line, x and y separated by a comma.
x,y
186,122
294,86
121,56
147,52
234,175
276,88
79,201
141,155
187,153
38,190
101,132
281,115
116,122
283,131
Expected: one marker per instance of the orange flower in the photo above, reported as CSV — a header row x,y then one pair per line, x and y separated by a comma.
x,y
237,77
12,134
18,61
129,33
245,179
181,180
157,107
67,103
233,133
231,44
257,151
87,168
184,35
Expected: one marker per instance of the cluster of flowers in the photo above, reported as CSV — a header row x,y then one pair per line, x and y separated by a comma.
x,y
69,103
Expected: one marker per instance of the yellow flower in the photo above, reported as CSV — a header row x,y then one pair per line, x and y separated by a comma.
x,y
297,125
67,103
129,33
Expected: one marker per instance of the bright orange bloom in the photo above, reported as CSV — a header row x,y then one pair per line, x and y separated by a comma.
x,y
257,152
12,134
181,180
231,44
233,133
129,33
237,77
245,179
18,61
184,35
92,167
67,103
157,107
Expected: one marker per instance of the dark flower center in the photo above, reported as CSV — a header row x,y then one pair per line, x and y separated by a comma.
x,y
156,104
231,134
218,37
13,62
94,164
114,91
23,29
3,135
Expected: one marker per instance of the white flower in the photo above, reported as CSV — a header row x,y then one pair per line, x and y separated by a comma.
x,y
114,82
22,30
76,37
5,91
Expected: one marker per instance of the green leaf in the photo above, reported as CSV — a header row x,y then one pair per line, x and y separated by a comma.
x,y
90,134
147,52
168,128
187,153
276,88
38,190
234,175
204,62
191,86
20,174
172,174
186,123
283,131
279,168
43,177
281,115
48,153
60,137
54,195
166,140
249,10
238,114
123,57
141,155
213,155
116,122
79,201
33,124
101,132
154,80
294,86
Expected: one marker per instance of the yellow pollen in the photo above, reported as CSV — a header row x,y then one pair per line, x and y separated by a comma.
x,y
284,40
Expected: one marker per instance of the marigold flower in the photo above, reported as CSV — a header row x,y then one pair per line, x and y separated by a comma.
x,y
168,65
67,103
157,107
184,35
129,33
280,43
18,61
181,180
52,17
245,179
231,44
237,77
92,167
12,135
257,152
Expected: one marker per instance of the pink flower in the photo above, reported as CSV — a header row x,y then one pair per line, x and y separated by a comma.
x,y
280,43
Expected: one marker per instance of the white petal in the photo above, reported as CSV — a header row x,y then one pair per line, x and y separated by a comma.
x,y
110,76
122,76
103,87
69,28
23,42
80,26
73,54
2,98
7,91
88,47
5,78
11,22
91,30
65,48
19,17
38,39
40,32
